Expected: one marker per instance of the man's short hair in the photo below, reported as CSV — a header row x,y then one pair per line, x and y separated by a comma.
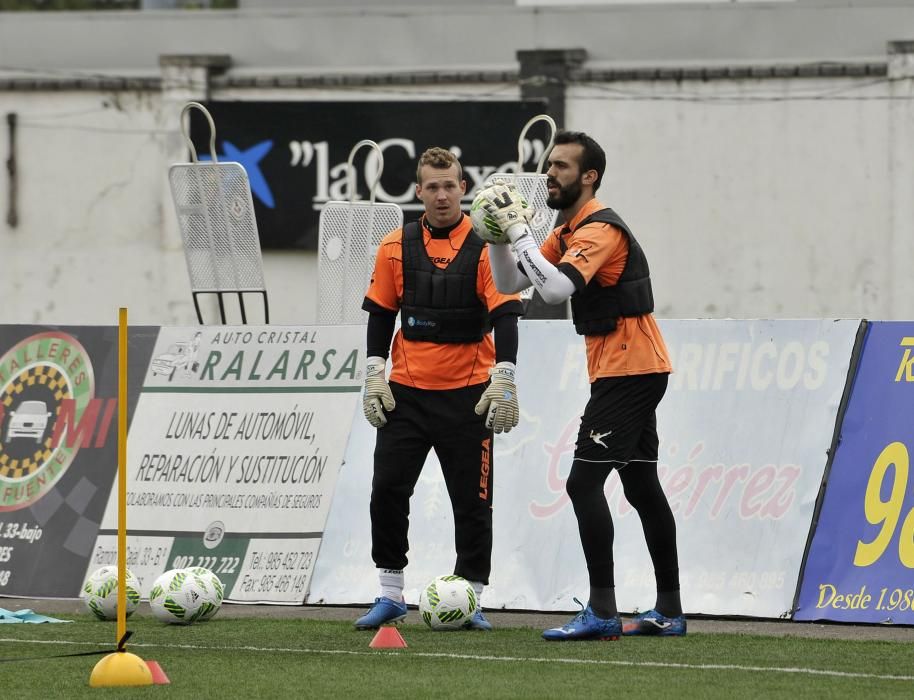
x,y
592,158
440,159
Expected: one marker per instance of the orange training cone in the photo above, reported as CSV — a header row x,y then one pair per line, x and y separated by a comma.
x,y
388,638
158,675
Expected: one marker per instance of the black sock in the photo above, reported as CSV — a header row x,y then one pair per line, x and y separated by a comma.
x,y
668,603
603,602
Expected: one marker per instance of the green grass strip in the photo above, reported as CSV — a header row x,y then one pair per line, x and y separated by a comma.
x,y
267,657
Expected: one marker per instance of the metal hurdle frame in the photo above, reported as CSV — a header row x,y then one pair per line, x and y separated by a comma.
x,y
218,227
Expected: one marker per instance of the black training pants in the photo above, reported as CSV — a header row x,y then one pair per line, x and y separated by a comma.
x,y
446,422
619,431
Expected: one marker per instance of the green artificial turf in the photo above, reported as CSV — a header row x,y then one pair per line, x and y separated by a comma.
x,y
278,658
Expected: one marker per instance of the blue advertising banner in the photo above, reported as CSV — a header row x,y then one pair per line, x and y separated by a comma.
x,y
860,566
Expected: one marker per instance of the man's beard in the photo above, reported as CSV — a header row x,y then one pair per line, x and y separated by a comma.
x,y
565,197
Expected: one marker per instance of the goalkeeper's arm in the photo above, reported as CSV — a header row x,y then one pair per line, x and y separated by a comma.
x,y
552,284
508,279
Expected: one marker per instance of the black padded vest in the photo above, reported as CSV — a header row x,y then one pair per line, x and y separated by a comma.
x,y
441,306
595,309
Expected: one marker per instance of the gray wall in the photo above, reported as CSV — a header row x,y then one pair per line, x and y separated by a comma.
x,y
326,36
755,196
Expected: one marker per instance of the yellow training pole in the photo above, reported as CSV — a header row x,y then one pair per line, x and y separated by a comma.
x,y
121,668
121,474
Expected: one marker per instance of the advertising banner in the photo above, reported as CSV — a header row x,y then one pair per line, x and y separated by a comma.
x,y
745,428
234,452
58,449
295,153
860,566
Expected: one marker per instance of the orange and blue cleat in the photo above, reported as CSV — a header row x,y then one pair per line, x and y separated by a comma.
x,y
652,623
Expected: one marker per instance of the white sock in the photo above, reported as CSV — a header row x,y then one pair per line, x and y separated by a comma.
x,y
391,583
477,588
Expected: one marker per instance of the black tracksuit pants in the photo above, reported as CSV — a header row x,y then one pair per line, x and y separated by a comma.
x,y
443,420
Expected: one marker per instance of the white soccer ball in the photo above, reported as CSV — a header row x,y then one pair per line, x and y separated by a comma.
x,y
484,224
447,602
99,593
215,591
179,597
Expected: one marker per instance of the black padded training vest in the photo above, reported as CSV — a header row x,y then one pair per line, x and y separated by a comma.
x,y
595,309
441,306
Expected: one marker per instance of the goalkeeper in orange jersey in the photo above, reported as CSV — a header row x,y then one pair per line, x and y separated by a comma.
x,y
451,385
596,261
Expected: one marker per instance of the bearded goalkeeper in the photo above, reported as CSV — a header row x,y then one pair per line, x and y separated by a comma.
x,y
596,261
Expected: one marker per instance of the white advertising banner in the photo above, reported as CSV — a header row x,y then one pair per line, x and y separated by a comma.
x,y
233,455
745,428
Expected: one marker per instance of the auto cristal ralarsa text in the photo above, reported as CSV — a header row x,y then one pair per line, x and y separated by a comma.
x,y
303,366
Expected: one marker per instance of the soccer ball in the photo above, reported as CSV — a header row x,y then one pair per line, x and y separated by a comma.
x,y
214,588
100,593
484,224
179,597
164,587
447,602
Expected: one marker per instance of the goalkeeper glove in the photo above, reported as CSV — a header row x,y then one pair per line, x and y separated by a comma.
x,y
509,209
377,397
500,399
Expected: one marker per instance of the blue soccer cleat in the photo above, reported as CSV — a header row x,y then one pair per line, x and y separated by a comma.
x,y
652,623
382,612
478,621
586,625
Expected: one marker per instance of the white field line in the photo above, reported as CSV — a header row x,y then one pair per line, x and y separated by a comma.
x,y
507,659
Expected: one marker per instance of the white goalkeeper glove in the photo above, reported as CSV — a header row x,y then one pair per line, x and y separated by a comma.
x,y
377,397
509,209
500,399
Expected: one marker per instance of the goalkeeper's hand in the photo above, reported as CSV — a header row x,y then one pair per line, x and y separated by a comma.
x,y
377,397
500,399
509,209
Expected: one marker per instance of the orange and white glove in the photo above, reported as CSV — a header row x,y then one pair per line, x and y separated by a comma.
x,y
377,396
499,400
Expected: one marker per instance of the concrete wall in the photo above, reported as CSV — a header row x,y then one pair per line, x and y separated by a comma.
x,y
89,236
774,198
754,197
409,35
97,228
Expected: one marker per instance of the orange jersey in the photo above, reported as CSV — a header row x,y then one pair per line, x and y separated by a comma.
x,y
423,364
599,251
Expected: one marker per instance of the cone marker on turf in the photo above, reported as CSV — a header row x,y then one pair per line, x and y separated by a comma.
x,y
158,675
120,669
388,637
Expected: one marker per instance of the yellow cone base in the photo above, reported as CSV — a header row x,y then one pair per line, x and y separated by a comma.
x,y
120,669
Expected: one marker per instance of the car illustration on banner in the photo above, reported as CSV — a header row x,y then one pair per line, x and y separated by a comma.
x,y
180,355
30,419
